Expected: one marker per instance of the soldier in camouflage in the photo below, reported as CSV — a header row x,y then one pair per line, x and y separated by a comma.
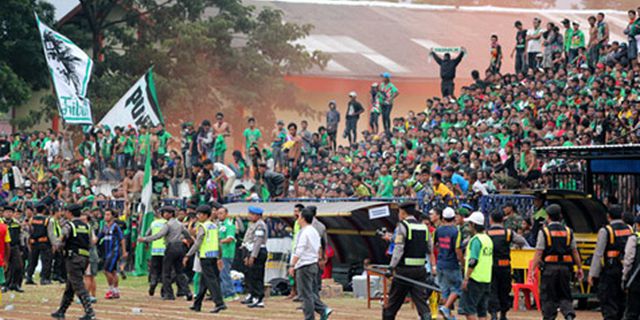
x,y
512,219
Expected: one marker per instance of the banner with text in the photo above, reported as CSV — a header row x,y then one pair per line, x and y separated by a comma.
x,y
139,106
70,69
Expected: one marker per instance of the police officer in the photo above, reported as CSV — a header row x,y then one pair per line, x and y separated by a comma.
x,y
54,232
476,286
502,238
412,246
40,246
157,252
15,271
76,243
254,247
176,238
207,246
612,239
631,274
556,254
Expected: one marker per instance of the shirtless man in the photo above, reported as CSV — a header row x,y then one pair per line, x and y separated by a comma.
x,y
293,150
221,129
131,188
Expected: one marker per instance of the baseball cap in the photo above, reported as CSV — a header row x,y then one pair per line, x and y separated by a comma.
x,y
448,213
476,217
566,21
385,75
353,94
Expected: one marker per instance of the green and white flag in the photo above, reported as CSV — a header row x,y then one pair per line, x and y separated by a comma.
x,y
70,69
139,106
146,217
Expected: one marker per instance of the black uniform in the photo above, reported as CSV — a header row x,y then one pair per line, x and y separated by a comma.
x,y
610,293
412,241
76,250
15,272
555,289
500,301
40,249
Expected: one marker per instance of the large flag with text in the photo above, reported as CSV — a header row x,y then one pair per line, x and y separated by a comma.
x,y
70,69
139,106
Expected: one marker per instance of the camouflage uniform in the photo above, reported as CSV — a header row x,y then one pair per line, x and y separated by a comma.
x,y
514,222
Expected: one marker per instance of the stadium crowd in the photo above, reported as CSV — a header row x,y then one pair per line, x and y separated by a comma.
x,y
567,90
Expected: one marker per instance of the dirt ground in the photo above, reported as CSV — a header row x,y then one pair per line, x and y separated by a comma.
x,y
38,302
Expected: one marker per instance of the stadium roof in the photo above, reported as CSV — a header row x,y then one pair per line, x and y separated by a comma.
x,y
366,38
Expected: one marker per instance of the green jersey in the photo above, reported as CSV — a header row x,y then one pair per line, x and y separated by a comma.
x,y
228,230
251,136
163,138
385,186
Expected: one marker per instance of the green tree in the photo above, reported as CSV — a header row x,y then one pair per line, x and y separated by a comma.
x,y
216,54
22,65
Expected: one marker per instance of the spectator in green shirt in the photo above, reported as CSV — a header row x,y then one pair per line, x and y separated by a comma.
x,y
577,41
385,183
568,34
163,139
251,135
228,244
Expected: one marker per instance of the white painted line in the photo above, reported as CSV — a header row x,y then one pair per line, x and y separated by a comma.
x,y
427,44
385,62
334,66
431,7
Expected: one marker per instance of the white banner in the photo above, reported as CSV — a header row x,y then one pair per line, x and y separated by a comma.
x,y
139,106
70,69
379,212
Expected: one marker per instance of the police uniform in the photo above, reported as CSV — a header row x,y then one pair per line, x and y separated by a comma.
x,y
173,238
76,237
15,272
157,255
409,259
207,247
557,244
54,231
254,247
606,264
502,238
631,275
40,247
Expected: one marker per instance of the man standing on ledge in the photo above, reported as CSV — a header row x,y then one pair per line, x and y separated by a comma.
x,y
408,260
447,71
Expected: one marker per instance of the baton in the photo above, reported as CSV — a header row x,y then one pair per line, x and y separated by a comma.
x,y
633,277
403,278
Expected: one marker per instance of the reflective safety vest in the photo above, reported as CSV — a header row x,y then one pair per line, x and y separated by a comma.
x,y
158,246
482,271
617,235
39,225
79,239
416,244
57,230
557,250
210,246
501,238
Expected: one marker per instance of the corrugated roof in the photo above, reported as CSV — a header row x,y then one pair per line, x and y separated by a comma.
x,y
279,209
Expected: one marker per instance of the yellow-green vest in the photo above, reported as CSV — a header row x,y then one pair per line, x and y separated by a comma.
x,y
210,244
482,270
158,247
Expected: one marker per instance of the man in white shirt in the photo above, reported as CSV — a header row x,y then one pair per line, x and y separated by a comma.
x,y
305,267
534,43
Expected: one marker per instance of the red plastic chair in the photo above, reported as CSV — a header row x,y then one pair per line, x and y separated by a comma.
x,y
527,288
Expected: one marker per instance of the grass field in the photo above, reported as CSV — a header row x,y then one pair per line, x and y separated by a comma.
x,y
38,302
